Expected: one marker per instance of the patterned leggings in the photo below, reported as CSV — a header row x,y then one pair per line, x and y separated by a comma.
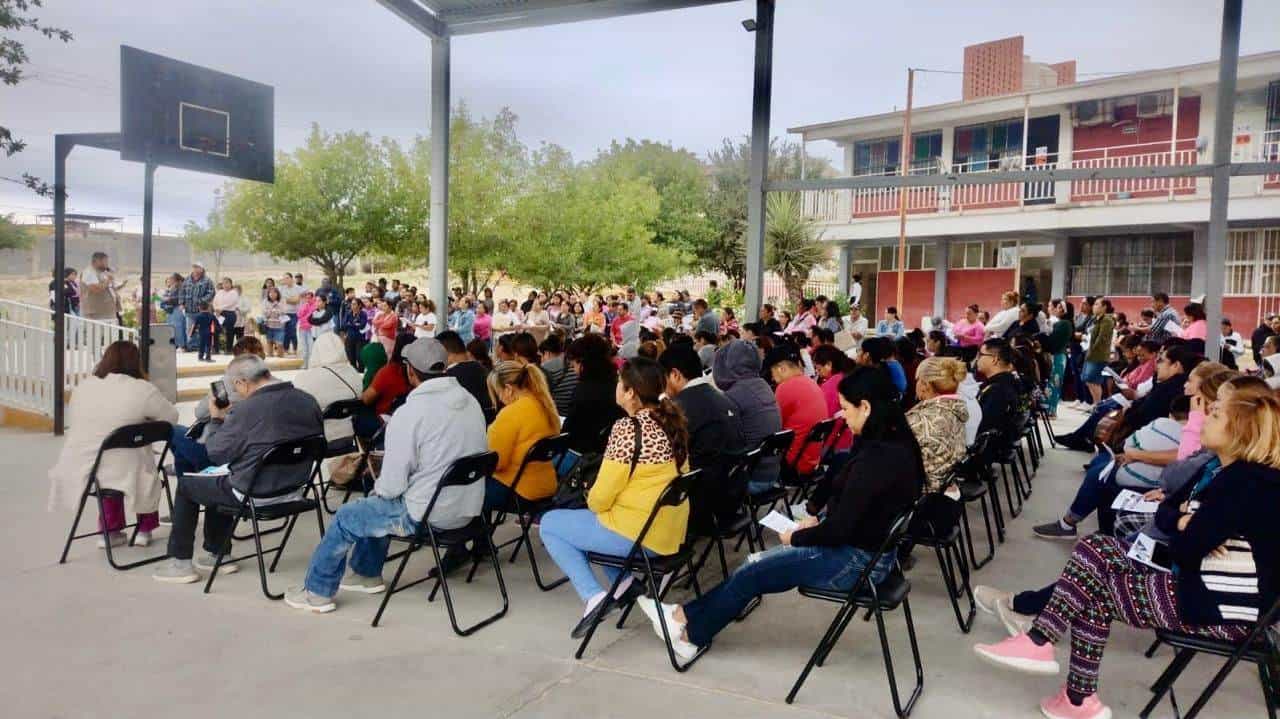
x,y
1100,585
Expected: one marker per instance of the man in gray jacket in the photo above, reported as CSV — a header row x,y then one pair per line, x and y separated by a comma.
x,y
269,412
439,423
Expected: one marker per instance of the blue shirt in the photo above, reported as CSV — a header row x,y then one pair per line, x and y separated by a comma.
x,y
887,328
897,375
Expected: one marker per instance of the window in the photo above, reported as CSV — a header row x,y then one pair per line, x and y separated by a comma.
x,y
979,148
1253,262
883,156
1132,265
984,255
920,256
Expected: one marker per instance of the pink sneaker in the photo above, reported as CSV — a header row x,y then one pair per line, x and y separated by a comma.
x,y
1020,653
1059,706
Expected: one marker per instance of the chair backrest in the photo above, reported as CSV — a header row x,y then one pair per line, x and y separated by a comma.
x,y
463,472
547,449
820,431
345,409
308,451
135,436
777,443
897,532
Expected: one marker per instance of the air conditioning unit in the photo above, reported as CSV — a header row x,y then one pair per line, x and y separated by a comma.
x,y
1154,104
1091,112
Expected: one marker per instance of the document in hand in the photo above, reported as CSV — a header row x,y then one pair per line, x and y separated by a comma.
x,y
1130,501
221,470
1148,551
779,522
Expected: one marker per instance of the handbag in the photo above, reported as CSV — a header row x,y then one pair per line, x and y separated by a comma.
x,y
572,490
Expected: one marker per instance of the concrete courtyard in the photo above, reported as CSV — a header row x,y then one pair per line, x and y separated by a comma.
x,y
83,640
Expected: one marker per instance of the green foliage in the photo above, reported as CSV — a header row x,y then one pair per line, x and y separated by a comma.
x,y
13,236
215,240
793,243
15,17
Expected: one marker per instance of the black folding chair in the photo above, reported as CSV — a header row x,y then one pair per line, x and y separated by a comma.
x,y
775,445
465,471
975,482
877,599
1259,648
349,410
548,450
304,454
739,527
930,528
133,436
654,569
802,485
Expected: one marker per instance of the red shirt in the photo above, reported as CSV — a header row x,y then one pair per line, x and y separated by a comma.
x,y
390,384
802,405
386,324
615,328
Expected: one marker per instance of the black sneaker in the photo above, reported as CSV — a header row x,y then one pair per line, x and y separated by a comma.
x,y
1054,530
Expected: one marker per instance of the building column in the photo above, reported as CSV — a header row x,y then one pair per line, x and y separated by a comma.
x,y
844,260
438,239
761,100
1061,257
1200,261
1066,134
942,262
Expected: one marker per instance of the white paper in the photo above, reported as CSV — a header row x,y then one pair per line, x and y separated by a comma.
x,y
1111,461
1131,501
799,511
218,471
1142,550
779,522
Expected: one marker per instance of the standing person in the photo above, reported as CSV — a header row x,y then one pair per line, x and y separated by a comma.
x,y
306,307
769,325
204,326
275,320
385,325
330,296
1099,352
1006,318
99,298
291,295
891,326
1075,358
171,303
117,394
1232,346
644,454
225,304
1196,333
705,320
198,288
970,331
1057,343
244,308
855,292
267,284
352,322
463,320
621,317
70,292
1165,324
425,321
483,327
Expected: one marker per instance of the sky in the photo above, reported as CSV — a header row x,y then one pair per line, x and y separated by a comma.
x,y
682,76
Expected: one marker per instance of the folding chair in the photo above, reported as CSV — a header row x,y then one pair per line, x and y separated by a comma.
x,y
802,485
876,598
975,482
1259,647
945,541
775,445
350,410
304,454
465,471
739,528
549,450
654,569
133,436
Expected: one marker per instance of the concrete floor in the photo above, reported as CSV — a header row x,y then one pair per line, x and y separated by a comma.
x,y
82,640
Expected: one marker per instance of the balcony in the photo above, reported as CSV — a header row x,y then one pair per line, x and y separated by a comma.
x,y
863,204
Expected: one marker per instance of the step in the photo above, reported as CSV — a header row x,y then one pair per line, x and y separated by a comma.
x,y
219,366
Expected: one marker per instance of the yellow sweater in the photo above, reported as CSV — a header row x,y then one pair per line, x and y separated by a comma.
x,y
516,428
622,500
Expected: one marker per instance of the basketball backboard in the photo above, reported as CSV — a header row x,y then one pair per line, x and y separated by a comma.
x,y
176,114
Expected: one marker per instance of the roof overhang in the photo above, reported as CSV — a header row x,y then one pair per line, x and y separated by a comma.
x,y
440,18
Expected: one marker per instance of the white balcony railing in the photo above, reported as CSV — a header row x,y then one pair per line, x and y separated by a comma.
x,y
1270,153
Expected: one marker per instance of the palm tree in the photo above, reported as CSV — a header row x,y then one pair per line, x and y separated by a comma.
x,y
793,243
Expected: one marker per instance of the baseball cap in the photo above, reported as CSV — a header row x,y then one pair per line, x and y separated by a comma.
x,y
426,354
198,264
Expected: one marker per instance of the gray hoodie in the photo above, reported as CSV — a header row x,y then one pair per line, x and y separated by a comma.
x,y
736,371
439,422
630,340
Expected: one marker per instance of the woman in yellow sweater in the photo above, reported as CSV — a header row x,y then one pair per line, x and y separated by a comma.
x,y
645,452
528,414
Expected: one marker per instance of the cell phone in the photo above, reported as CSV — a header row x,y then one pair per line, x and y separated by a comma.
x,y
220,396
1161,556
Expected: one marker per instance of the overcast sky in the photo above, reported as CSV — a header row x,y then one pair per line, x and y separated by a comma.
x,y
681,76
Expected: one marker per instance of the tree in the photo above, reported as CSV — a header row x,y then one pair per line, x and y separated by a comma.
x,y
727,204
793,243
12,235
333,198
15,17
215,240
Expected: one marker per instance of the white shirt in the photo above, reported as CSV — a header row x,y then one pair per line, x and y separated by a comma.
x,y
428,318
1002,321
855,294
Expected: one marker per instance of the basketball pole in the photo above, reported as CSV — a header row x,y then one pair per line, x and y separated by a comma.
x,y
144,309
61,148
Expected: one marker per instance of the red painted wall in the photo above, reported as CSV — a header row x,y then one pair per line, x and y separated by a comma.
x,y
1150,129
917,296
964,287
1242,311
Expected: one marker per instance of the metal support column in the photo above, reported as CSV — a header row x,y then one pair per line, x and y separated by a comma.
x,y
61,148
1061,266
844,256
941,262
438,251
144,309
761,98
1224,117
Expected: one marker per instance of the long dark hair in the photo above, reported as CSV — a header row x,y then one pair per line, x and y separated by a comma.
x,y
648,380
591,352
120,357
886,423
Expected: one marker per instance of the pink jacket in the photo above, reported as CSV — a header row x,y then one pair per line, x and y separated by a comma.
x,y
969,335
304,313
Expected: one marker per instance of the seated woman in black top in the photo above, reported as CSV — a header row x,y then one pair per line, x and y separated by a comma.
x,y
593,409
882,478
1225,551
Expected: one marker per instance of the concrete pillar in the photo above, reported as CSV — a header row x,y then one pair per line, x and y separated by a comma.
x,y
1200,261
942,261
1066,133
1061,256
438,239
948,144
844,258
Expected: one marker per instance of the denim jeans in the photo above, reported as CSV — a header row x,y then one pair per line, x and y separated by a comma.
x,y
1096,493
188,454
305,338
178,321
496,494
290,332
1075,362
778,570
569,534
1085,431
363,524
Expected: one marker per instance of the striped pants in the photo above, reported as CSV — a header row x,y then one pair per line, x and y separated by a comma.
x,y
1100,585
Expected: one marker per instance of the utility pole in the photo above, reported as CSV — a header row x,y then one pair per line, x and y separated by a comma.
x,y
902,192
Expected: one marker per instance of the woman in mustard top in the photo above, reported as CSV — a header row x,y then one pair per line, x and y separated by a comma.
x,y
628,485
528,414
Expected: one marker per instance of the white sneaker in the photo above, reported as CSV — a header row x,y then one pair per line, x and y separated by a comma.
x,y
1014,623
205,562
987,597
118,539
142,539
651,608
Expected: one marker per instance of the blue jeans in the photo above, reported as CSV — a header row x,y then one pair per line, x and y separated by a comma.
x,y
178,321
290,332
778,570
188,454
305,338
1096,493
569,534
363,524
495,494
1085,431
1092,372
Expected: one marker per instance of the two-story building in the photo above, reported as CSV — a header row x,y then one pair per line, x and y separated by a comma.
x,y
1124,239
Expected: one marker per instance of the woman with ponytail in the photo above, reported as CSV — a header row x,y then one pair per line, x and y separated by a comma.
x,y
646,450
527,415
882,478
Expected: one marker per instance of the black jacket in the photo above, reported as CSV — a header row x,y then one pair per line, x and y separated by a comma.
x,y
472,375
715,441
273,414
999,398
880,481
1156,404
592,414
1257,339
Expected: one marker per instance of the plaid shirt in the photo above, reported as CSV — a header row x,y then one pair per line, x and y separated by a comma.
x,y
1160,328
193,292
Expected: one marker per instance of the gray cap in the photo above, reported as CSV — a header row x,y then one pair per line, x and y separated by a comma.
x,y
426,354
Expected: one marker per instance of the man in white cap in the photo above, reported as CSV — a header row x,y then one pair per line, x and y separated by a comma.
x,y
439,423
196,290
